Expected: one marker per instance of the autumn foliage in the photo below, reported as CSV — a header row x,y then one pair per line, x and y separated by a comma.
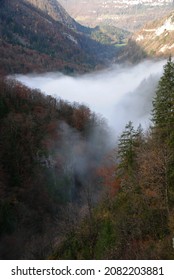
x,y
45,166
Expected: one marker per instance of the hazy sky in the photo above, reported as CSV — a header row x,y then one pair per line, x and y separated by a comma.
x,y
119,94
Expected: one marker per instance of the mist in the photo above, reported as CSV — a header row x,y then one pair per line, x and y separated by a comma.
x,y
119,94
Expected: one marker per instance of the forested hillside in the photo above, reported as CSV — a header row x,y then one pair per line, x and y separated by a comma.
x,y
50,151
33,41
136,218
66,195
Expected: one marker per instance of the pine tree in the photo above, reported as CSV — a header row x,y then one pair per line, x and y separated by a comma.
x,y
163,104
163,123
128,142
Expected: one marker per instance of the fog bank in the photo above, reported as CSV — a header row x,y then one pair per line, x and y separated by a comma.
x,y
119,94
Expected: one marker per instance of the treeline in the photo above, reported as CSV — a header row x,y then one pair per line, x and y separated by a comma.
x,y
49,153
136,218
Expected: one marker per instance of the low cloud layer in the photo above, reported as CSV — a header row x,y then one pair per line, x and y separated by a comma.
x,y
119,94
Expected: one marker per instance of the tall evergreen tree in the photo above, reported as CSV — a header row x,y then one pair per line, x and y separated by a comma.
x,y
128,142
163,120
163,104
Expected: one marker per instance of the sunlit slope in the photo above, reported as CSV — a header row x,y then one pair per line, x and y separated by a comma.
x,y
130,15
156,38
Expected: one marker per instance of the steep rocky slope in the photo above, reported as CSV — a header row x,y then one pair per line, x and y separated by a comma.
x,y
156,38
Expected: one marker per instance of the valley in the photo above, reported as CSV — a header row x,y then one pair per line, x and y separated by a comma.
x,y
105,92
86,130
129,15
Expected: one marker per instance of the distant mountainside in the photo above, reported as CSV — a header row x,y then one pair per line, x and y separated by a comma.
x,y
126,14
157,38
103,34
41,36
154,40
53,9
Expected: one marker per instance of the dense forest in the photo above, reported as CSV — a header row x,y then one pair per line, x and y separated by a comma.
x,y
50,152
135,218
65,193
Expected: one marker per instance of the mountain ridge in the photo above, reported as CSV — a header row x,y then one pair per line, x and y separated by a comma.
x,y
56,11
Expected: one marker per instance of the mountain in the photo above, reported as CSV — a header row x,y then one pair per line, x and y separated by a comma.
x,y
40,36
53,9
103,34
156,38
126,14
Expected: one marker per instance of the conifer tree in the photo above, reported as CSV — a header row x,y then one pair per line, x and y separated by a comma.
x,y
163,104
127,147
163,120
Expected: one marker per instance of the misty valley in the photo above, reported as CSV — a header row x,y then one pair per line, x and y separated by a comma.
x,y
86,130
77,161
119,94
